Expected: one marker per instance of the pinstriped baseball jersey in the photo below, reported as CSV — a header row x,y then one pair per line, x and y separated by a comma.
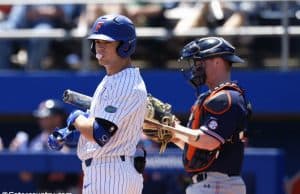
x,y
111,176
120,98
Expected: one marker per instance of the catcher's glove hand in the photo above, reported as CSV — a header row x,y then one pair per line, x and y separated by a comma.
x,y
158,114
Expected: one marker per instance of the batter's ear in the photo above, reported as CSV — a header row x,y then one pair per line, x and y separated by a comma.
x,y
218,103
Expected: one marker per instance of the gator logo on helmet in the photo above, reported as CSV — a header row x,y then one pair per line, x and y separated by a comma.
x,y
98,26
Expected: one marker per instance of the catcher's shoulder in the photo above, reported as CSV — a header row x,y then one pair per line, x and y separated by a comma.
x,y
221,101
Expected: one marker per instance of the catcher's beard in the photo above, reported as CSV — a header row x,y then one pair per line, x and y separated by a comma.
x,y
195,74
198,76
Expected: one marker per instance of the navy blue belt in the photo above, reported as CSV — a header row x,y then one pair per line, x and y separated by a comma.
x,y
88,162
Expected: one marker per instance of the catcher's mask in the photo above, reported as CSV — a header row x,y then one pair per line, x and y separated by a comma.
x,y
202,49
115,28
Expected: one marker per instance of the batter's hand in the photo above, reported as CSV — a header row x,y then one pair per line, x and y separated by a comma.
x,y
57,139
73,116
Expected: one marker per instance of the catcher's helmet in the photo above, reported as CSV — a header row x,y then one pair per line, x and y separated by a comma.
x,y
210,47
115,28
48,108
205,48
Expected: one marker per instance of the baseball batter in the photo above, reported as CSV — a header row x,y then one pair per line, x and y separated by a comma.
x,y
111,129
214,159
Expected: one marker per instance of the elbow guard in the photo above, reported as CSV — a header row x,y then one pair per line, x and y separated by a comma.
x,y
103,130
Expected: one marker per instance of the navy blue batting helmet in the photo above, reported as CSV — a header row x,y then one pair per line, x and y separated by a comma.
x,y
115,28
210,47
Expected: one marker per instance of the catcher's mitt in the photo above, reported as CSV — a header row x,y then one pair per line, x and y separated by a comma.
x,y
158,113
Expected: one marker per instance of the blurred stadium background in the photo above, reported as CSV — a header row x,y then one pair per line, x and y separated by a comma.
x,y
43,51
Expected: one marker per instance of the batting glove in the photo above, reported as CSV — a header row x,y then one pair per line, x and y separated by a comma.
x,y
59,137
62,136
54,144
56,140
73,116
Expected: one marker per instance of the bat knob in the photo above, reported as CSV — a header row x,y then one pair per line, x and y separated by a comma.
x,y
66,95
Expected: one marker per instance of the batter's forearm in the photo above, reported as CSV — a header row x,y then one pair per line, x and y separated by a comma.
x,y
85,126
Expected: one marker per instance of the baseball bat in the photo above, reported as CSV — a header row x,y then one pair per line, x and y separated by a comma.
x,y
84,102
80,100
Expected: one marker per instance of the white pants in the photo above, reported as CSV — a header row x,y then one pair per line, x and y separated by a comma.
x,y
111,176
218,183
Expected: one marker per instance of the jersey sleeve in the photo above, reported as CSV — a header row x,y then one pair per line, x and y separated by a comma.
x,y
223,113
118,102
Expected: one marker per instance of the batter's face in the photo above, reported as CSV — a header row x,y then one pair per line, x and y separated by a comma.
x,y
106,52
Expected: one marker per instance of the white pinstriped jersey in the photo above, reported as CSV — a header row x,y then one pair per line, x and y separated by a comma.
x,y
120,98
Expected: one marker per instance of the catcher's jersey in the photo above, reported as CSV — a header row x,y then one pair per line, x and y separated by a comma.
x,y
222,113
120,98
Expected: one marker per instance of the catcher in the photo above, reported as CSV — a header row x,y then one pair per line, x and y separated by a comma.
x,y
213,141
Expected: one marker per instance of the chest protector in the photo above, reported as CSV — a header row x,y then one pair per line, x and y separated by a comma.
x,y
198,160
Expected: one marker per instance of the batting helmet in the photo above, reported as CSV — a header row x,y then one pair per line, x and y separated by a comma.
x,y
48,108
210,47
115,28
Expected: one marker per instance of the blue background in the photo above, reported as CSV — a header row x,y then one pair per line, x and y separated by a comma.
x,y
271,92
